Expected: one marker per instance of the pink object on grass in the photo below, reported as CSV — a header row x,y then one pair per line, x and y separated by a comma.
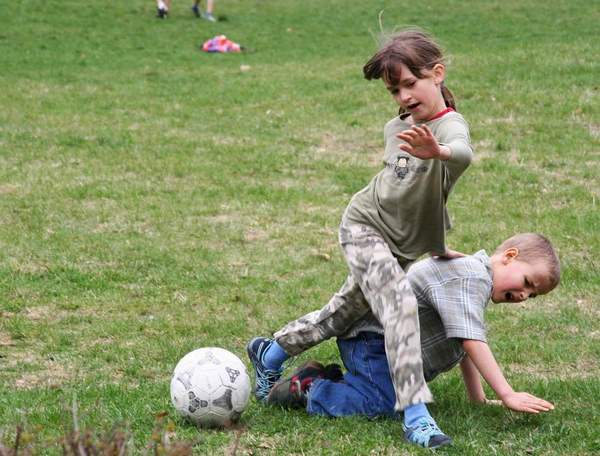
x,y
220,43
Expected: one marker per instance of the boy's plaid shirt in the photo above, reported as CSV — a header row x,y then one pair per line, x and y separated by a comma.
x,y
452,296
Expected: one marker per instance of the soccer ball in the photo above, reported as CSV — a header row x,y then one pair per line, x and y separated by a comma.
x,y
210,387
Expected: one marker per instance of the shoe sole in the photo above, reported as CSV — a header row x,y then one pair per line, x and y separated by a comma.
x,y
435,447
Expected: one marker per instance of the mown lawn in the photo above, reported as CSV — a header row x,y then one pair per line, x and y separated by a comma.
x,y
155,199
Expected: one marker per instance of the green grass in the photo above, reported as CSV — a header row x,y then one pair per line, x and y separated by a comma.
x,y
155,199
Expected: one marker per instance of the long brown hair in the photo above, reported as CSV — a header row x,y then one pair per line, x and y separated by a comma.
x,y
415,49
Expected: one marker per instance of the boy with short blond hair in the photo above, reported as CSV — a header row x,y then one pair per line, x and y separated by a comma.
x,y
451,296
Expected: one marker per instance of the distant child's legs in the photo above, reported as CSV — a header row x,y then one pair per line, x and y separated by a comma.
x,y
367,388
209,10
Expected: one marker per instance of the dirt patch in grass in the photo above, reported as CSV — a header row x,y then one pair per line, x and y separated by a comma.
x,y
553,305
588,308
583,368
510,119
255,234
7,189
37,313
6,340
483,150
28,266
354,150
221,218
52,374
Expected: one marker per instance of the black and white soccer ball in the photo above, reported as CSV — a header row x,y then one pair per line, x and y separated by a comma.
x,y
210,387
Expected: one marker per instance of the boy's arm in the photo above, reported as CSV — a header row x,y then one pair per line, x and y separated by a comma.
x,y
472,380
480,354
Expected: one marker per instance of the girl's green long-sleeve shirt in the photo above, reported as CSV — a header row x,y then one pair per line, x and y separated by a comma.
x,y
406,200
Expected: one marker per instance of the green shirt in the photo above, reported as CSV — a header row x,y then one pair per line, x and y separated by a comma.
x,y
406,200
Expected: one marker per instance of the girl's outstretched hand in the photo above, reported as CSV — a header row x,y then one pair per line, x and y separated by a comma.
x,y
420,143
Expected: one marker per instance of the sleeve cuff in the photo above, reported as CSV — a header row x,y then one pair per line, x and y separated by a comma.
x,y
462,334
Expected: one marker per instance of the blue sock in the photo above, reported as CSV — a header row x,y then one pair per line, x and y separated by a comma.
x,y
274,357
414,413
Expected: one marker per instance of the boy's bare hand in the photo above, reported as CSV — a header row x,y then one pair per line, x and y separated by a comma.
x,y
420,142
525,402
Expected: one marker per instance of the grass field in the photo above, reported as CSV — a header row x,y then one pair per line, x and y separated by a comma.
x,y
155,199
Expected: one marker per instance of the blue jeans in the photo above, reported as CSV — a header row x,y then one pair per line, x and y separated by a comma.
x,y
367,388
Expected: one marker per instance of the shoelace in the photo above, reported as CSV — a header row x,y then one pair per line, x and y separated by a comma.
x,y
265,381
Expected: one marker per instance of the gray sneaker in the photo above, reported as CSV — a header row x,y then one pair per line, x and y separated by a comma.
x,y
209,17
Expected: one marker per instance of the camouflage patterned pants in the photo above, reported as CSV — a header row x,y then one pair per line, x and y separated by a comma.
x,y
376,284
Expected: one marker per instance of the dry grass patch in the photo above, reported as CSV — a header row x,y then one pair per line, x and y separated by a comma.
x,y
483,150
27,266
7,189
255,235
588,309
38,313
50,374
352,149
580,368
6,340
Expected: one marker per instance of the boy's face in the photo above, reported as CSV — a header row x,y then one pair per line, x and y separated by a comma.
x,y
515,280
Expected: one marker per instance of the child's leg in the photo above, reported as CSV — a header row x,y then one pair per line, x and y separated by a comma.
x,y
367,388
162,9
386,289
334,319
267,356
196,8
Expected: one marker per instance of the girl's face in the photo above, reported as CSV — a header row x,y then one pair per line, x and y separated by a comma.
x,y
422,98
